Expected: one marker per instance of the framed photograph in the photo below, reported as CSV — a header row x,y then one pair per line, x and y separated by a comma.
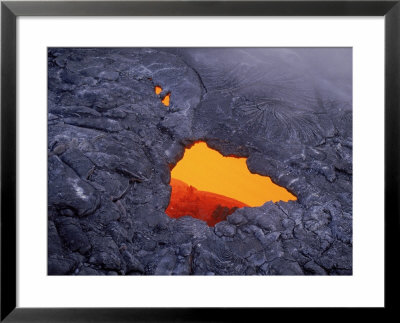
x,y
197,157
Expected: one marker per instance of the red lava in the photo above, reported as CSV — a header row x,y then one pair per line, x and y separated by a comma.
x,y
209,207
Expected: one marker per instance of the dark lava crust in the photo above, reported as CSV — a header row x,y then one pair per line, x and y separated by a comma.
x,y
111,141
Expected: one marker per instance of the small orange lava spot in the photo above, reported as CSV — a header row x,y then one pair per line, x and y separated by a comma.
x,y
158,89
165,101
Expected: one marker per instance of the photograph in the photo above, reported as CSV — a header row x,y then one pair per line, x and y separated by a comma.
x,y
189,161
226,161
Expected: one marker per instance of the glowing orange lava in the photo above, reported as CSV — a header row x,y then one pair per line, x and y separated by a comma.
x,y
158,89
165,101
217,181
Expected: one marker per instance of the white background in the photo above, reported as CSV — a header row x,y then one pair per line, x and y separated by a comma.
x,y
364,288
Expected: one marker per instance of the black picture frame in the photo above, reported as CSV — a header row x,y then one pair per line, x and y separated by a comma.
x,y
10,10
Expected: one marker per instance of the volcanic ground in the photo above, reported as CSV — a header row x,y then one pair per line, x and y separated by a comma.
x,y
119,119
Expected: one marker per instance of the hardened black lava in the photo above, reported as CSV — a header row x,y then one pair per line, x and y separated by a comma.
x,y
111,142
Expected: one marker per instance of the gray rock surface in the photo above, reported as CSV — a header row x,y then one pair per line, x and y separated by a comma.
x,y
111,141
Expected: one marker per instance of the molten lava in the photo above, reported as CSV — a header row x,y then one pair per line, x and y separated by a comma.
x,y
206,206
158,89
165,101
208,186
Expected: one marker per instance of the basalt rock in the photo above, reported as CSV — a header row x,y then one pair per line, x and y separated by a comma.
x,y
111,142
